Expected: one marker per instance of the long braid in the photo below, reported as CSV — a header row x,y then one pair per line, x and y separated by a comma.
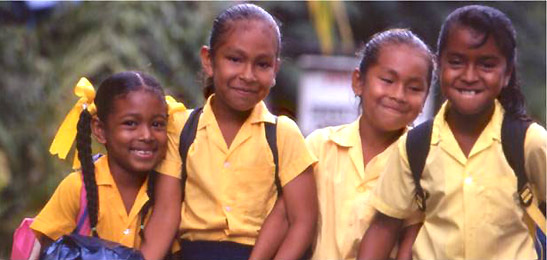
x,y
150,203
83,145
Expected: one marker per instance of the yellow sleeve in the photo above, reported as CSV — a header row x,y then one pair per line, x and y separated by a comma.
x,y
535,150
59,215
394,193
313,142
294,156
172,164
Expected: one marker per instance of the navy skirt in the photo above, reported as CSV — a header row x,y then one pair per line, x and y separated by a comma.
x,y
207,250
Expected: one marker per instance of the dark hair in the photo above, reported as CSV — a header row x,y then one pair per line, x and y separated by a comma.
x,y
115,86
490,21
223,23
370,53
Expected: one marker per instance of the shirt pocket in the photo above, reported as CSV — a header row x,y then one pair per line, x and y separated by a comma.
x,y
499,199
256,193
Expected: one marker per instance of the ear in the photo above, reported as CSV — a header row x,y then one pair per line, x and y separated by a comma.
x,y
356,82
97,128
206,60
277,65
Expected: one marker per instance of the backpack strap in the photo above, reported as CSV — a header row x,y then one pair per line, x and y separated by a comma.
x,y
83,224
271,137
513,132
187,137
417,149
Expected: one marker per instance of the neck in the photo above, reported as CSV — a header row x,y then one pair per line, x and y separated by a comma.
x,y
469,125
223,113
125,179
373,140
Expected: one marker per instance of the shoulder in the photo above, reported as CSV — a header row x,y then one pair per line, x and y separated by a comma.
x,y
70,185
286,127
323,135
179,119
536,138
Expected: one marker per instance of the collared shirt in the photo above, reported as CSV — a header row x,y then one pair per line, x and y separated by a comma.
x,y
344,188
472,211
230,190
59,215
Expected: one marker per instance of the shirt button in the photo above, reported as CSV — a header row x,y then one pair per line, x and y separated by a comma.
x,y
468,180
126,232
228,208
226,164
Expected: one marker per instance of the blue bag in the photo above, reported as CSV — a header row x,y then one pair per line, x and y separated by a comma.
x,y
78,247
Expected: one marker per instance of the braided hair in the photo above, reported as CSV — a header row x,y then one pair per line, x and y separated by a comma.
x,y
111,88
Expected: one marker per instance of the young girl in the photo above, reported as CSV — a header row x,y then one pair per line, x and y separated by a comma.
x,y
472,211
230,187
129,117
392,82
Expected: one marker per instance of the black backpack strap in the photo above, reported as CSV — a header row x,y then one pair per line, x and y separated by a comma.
x,y
187,137
513,132
271,137
417,148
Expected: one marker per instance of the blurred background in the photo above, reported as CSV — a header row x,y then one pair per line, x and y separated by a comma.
x,y
46,46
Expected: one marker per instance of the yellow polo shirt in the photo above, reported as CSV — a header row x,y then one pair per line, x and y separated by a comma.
x,y
472,211
230,190
59,215
344,188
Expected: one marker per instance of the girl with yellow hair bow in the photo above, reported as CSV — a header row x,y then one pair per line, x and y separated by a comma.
x,y
129,116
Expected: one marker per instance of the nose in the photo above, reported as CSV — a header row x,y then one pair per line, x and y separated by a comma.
x,y
145,134
248,74
398,93
469,74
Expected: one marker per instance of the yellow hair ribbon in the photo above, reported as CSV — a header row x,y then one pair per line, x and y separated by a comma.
x,y
67,131
173,106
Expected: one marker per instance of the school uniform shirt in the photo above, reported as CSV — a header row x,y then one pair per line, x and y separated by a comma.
x,y
344,188
230,190
473,211
59,215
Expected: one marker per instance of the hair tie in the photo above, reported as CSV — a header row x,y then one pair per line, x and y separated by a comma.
x,y
64,138
173,106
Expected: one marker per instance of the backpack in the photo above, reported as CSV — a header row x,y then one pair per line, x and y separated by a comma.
x,y
188,135
25,244
513,132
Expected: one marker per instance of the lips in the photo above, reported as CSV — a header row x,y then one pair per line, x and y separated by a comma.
x,y
142,152
244,91
468,92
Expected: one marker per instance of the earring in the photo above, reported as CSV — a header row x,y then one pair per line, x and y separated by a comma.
x,y
273,83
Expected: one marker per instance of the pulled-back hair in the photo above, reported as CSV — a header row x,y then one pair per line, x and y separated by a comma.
x,y
115,86
392,37
491,22
223,24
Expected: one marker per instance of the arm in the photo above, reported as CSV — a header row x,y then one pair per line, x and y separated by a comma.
x,y
380,237
272,232
406,240
165,219
300,200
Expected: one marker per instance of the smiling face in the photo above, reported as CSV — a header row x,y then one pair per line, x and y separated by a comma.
x,y
134,133
243,66
472,76
393,89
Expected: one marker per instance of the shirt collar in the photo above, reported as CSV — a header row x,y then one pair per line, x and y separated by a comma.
x,y
347,136
102,172
259,114
493,128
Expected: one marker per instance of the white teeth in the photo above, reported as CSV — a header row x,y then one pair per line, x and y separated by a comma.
x,y
468,92
141,152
